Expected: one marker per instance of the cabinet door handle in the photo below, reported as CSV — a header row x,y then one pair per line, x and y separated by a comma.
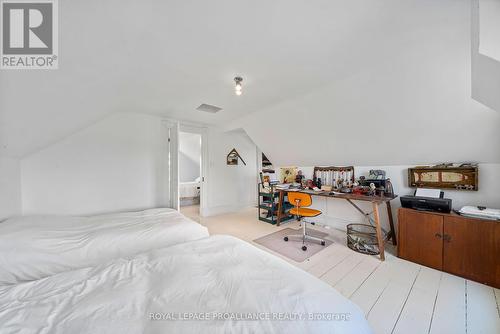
x,y
438,235
447,238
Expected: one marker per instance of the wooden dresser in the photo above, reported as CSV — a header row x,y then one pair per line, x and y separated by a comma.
x,y
458,245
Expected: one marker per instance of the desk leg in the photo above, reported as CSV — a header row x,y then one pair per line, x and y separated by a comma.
x,y
392,233
380,237
280,206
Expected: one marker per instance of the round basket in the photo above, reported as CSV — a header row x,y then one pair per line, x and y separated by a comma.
x,y
362,238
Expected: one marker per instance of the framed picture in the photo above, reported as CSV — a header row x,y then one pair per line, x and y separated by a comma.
x,y
233,158
288,174
459,178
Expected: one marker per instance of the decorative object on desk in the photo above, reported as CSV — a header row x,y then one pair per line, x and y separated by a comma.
x,y
288,174
373,188
376,174
233,157
357,190
389,189
337,177
377,177
299,177
362,238
459,178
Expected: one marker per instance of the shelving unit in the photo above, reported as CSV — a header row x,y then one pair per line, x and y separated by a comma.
x,y
268,206
267,166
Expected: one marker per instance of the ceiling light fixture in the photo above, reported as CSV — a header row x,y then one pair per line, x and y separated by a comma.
x,y
238,88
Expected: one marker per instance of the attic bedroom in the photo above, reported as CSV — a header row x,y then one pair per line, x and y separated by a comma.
x,y
250,166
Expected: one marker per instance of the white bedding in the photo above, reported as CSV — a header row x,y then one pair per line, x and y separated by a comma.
x,y
213,275
33,247
189,189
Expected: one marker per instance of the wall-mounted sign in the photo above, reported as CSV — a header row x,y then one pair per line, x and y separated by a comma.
x,y
233,157
460,178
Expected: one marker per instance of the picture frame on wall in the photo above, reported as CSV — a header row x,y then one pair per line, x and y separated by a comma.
x,y
233,158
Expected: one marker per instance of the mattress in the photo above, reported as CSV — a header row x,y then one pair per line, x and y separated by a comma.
x,y
218,284
34,247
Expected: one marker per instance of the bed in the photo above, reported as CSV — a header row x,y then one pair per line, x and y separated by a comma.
x,y
189,189
189,192
34,247
218,284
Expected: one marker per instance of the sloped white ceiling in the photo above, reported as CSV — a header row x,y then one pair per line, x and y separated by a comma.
x,y
408,101
168,57
328,68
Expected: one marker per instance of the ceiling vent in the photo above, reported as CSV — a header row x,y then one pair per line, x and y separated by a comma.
x,y
208,108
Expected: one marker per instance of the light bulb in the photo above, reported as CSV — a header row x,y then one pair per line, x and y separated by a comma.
x,y
238,92
238,86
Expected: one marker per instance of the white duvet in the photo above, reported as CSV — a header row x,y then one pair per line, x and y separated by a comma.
x,y
219,278
38,246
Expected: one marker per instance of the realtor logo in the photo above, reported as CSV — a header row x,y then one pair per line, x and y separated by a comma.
x,y
29,34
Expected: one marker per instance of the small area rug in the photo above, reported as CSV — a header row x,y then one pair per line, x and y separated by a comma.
x,y
292,248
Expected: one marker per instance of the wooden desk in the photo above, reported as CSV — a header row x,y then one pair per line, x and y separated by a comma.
x,y
375,200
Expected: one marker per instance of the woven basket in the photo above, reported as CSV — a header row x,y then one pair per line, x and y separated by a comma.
x,y
362,238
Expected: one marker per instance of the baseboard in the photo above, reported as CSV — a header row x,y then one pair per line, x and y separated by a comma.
x,y
185,201
222,209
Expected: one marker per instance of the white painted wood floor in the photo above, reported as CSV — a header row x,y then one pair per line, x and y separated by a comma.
x,y
396,296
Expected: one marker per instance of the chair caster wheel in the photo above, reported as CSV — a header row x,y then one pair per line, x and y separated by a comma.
x,y
285,238
322,243
304,248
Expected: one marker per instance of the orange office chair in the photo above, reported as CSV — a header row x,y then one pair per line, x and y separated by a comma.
x,y
301,201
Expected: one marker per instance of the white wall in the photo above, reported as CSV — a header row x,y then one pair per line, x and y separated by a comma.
x,y
116,164
10,187
189,156
120,163
338,213
230,188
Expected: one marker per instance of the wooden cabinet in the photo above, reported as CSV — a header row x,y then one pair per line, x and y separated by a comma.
x,y
472,249
458,245
414,228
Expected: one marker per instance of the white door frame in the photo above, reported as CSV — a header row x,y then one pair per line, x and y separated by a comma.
x,y
172,128
203,131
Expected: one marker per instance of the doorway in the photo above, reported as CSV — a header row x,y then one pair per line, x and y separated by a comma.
x,y
191,176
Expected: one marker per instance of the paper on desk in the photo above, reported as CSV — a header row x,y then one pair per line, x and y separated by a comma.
x,y
423,192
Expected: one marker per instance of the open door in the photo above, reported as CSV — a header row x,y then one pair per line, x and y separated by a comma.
x,y
192,157
172,163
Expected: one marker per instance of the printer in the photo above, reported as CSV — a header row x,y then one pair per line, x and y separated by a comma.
x,y
423,203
